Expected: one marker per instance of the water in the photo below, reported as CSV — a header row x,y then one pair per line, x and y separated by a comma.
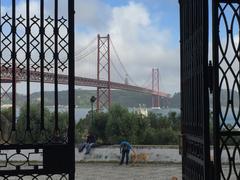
x,y
164,111
79,112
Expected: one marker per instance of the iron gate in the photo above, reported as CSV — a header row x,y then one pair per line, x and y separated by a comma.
x,y
194,89
226,56
37,39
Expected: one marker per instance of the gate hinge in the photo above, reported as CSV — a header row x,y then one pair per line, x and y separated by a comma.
x,y
210,76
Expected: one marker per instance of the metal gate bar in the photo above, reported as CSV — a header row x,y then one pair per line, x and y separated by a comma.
x,y
194,89
226,93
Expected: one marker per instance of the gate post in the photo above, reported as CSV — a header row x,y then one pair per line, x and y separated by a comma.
x,y
71,130
216,95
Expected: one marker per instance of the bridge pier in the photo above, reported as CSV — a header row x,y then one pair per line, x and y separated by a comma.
x,y
103,73
155,87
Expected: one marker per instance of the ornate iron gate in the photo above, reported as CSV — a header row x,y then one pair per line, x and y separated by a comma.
x,y
194,89
226,94
37,39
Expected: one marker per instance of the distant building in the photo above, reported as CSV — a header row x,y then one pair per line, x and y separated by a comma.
x,y
141,110
6,106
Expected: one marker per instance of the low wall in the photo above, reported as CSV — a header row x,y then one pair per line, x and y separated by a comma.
x,y
158,154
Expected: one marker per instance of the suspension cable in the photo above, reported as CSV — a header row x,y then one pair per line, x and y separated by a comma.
x,y
118,58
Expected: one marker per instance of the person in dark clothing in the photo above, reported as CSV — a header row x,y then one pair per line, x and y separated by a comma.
x,y
91,141
125,148
88,144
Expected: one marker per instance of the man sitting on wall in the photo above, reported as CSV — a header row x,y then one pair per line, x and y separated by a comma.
x,y
90,142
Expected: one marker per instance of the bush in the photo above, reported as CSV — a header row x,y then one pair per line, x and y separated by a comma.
x,y
119,124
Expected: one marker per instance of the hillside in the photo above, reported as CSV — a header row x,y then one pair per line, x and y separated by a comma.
x,y
124,98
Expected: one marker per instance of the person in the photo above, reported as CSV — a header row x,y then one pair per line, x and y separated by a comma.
x,y
125,148
81,146
87,144
91,141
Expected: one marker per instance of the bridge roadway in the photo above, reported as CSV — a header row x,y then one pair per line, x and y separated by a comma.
x,y
35,76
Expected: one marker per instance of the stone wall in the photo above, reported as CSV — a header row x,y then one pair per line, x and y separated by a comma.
x,y
158,154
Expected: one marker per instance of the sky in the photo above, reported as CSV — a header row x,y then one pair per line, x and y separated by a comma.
x,y
144,32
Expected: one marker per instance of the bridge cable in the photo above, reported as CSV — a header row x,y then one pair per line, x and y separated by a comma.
x,y
79,51
119,74
83,56
118,58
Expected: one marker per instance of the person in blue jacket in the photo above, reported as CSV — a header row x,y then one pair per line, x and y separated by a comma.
x,y
125,148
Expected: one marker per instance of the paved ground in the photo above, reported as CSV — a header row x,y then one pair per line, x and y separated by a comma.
x,y
112,171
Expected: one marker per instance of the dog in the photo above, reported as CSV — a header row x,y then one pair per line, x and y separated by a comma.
x,y
141,157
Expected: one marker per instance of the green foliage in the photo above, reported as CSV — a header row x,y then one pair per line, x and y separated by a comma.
x,y
7,113
36,133
6,123
119,124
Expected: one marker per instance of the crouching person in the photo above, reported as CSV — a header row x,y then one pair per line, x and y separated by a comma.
x,y
125,148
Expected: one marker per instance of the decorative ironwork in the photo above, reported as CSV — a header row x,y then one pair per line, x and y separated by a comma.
x,y
35,48
194,89
226,56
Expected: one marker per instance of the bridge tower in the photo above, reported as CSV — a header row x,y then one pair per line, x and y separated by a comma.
x,y
103,73
155,87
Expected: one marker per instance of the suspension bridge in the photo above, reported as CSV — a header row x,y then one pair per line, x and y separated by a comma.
x,y
101,55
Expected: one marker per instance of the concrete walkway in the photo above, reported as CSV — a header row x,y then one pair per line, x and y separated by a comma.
x,y
113,171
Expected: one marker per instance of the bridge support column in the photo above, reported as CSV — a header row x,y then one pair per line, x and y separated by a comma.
x,y
103,73
155,87
5,92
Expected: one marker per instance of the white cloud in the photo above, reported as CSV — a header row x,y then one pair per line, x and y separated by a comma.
x,y
92,13
140,43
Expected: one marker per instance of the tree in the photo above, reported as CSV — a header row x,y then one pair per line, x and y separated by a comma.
x,y
175,120
6,125
143,126
98,126
7,113
37,134
120,125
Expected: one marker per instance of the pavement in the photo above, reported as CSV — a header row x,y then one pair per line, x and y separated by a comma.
x,y
113,171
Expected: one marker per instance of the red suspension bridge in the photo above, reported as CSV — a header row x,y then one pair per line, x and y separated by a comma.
x,y
103,80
